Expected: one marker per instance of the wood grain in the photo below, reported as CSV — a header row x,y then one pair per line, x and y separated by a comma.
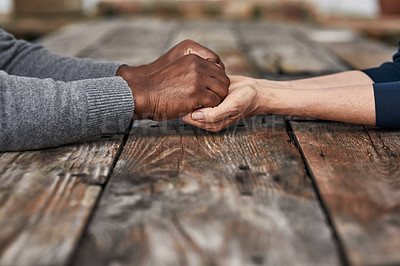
x,y
280,48
357,174
78,38
134,41
46,198
180,196
356,51
362,54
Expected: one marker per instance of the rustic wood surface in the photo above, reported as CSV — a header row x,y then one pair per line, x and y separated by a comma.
x,y
266,191
356,51
46,198
358,177
179,197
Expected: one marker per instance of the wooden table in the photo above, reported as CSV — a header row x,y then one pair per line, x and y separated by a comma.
x,y
270,190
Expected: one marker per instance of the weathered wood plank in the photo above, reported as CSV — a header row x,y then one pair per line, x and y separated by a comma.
x,y
78,38
357,51
125,40
46,198
135,42
362,54
184,197
283,49
358,177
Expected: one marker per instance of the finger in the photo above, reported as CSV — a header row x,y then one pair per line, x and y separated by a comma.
x,y
221,77
212,66
205,53
209,99
224,111
214,127
217,86
221,64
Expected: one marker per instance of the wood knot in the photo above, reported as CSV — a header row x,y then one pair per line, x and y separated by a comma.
x,y
244,167
277,178
258,260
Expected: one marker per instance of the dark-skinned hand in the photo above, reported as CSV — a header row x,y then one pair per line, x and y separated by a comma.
x,y
186,84
184,48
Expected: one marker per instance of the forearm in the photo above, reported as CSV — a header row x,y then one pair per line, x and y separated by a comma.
x,y
21,58
353,104
347,78
41,113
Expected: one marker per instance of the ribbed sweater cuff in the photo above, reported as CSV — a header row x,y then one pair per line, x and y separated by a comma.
x,y
110,105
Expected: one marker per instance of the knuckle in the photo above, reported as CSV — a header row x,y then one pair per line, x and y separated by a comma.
x,y
212,118
192,91
216,58
193,62
235,110
192,58
195,77
188,42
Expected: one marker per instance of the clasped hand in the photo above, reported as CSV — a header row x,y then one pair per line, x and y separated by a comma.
x,y
189,81
187,77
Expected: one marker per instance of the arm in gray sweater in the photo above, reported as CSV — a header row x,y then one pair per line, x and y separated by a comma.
x,y
22,58
47,100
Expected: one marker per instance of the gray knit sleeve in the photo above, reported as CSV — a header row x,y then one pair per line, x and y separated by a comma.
x,y
40,113
21,58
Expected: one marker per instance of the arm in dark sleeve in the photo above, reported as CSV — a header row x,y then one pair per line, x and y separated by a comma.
x,y
21,58
387,92
387,100
387,72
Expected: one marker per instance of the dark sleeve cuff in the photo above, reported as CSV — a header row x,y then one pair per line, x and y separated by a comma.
x,y
387,72
387,101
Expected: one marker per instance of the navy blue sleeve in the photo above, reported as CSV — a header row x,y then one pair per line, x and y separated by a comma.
x,y
387,100
387,92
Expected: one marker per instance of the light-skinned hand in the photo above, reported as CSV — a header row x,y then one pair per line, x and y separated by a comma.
x,y
242,101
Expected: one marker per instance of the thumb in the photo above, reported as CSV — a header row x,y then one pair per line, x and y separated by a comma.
x,y
214,114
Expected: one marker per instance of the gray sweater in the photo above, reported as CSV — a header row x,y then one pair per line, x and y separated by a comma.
x,y
47,100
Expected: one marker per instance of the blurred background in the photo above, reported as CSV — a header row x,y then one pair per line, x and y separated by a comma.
x,y
31,19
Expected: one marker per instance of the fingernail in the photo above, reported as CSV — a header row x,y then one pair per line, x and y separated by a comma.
x,y
197,115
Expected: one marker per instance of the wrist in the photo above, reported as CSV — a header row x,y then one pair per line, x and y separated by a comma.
x,y
132,72
140,92
269,95
279,98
